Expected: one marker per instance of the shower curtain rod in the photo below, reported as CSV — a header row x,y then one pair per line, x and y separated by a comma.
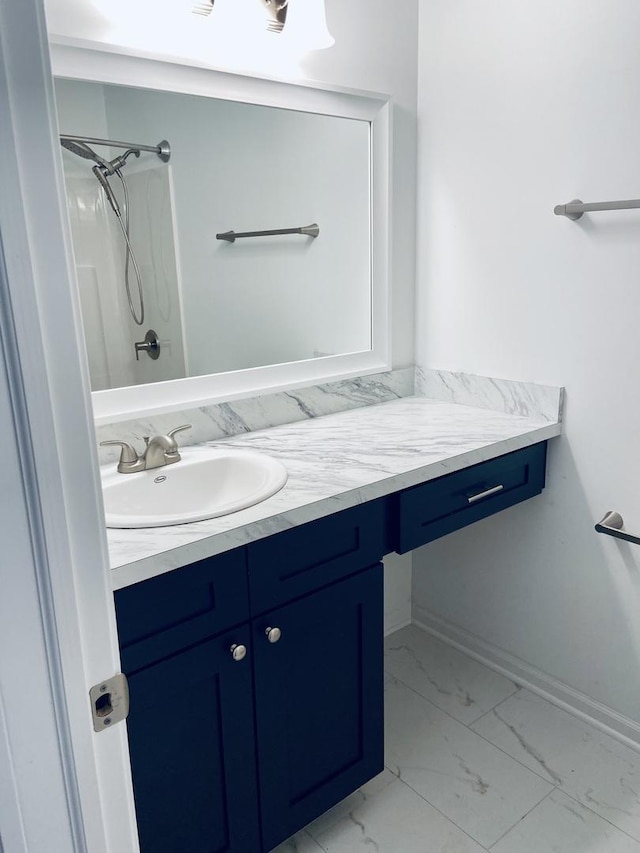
x,y
162,149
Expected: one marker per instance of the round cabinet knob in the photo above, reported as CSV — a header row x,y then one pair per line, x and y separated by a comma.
x,y
273,634
238,652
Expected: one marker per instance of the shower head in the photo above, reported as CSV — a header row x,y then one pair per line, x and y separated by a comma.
x,y
78,148
81,149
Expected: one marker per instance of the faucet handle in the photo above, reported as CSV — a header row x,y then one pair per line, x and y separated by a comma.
x,y
172,432
129,459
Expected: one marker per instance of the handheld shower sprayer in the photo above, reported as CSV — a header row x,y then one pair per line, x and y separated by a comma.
x,y
98,171
103,170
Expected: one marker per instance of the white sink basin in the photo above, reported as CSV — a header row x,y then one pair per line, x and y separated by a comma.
x,y
206,483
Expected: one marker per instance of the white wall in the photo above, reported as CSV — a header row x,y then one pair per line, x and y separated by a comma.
x,y
374,50
523,106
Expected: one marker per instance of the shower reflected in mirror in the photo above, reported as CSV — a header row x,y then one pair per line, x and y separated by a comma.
x,y
144,232
102,170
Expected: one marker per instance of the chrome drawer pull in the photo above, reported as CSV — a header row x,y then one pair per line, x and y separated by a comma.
x,y
494,491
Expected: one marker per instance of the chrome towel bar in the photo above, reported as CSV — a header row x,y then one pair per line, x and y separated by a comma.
x,y
575,208
612,525
308,230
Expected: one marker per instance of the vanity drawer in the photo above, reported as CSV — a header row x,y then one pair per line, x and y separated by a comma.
x,y
182,607
441,506
291,564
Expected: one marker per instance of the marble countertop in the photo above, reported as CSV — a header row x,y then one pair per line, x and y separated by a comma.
x,y
334,462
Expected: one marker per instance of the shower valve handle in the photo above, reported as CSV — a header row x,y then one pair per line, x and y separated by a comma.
x,y
150,345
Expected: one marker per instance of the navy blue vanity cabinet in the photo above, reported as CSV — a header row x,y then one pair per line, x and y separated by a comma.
x,y
433,509
191,741
251,714
256,676
319,701
191,723
298,561
316,601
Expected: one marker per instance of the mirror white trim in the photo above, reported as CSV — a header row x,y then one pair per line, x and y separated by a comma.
x,y
107,66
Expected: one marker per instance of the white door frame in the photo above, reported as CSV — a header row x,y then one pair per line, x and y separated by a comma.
x,y
62,787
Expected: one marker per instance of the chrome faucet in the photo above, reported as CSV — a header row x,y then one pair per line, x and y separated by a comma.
x,y
159,451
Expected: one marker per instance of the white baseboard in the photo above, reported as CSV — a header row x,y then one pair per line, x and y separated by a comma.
x,y
579,704
392,627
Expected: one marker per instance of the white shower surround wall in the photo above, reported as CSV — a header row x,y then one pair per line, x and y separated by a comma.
x,y
152,217
100,251
99,267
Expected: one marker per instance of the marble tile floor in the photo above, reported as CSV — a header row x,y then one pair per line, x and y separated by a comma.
x,y
474,763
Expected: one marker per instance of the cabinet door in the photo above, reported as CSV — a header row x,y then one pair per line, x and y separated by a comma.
x,y
319,702
192,750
